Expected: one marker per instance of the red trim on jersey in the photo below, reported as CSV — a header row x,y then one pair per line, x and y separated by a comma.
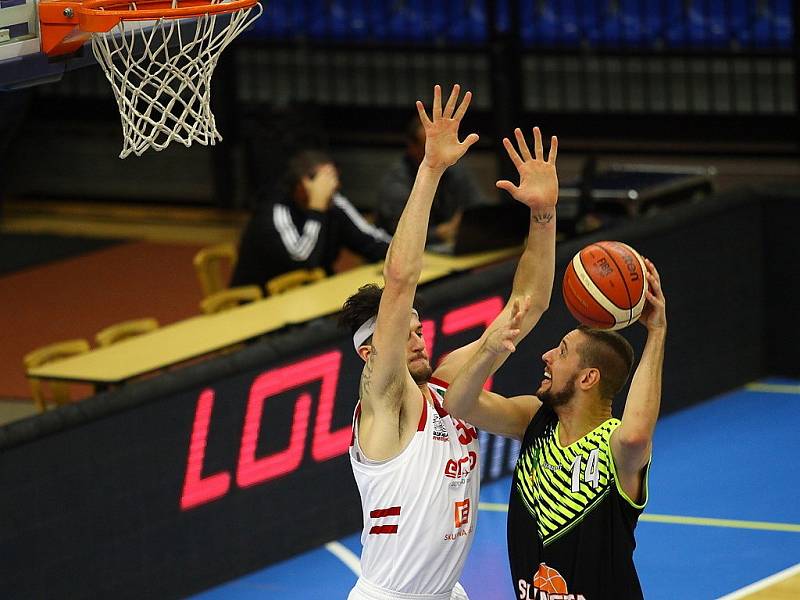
x,y
437,403
394,511
439,382
355,418
379,529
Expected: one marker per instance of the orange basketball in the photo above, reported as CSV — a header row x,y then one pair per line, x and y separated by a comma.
x,y
549,580
605,284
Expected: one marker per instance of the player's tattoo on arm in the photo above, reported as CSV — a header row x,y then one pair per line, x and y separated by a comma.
x,y
366,375
542,218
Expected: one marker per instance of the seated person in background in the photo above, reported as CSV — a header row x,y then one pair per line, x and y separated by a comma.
x,y
304,225
457,191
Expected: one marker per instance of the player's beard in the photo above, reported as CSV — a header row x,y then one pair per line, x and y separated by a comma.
x,y
559,398
420,371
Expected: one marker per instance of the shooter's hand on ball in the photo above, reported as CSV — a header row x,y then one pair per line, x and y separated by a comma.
x,y
654,314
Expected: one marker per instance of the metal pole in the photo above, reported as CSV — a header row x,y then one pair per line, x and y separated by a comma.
x,y
505,49
796,39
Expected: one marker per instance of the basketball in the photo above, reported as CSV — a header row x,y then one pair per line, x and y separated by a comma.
x,y
549,580
605,285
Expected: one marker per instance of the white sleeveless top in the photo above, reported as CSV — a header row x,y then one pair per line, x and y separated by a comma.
x,y
420,507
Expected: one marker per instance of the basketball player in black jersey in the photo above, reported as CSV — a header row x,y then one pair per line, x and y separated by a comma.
x,y
580,482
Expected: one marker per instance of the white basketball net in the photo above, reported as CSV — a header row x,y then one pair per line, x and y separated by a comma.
x,y
161,76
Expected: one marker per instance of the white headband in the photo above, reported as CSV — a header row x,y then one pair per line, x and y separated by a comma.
x,y
363,333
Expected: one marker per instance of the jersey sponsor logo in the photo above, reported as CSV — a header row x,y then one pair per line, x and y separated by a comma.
x,y
547,584
462,467
461,517
439,429
452,537
385,521
461,512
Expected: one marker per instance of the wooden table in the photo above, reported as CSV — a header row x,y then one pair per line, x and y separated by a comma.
x,y
204,334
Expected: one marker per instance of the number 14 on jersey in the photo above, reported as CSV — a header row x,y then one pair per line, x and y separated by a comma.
x,y
591,472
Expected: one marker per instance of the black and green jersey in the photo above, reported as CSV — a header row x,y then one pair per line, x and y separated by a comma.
x,y
570,526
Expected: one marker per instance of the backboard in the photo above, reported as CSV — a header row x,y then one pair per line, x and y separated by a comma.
x,y
22,63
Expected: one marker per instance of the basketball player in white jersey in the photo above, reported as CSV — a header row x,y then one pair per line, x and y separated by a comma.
x,y
417,468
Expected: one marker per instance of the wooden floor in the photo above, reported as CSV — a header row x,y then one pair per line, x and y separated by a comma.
x,y
783,589
150,275
79,296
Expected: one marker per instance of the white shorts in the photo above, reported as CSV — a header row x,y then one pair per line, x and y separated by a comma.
x,y
364,590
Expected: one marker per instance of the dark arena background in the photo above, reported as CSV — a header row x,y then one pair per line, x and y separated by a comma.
x,y
679,134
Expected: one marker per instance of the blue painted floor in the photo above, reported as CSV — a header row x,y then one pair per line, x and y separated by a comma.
x,y
735,457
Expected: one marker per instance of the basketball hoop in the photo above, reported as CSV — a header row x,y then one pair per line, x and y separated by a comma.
x,y
159,56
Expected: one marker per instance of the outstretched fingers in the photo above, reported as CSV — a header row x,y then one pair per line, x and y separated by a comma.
x,y
518,310
654,279
537,143
513,328
462,109
437,102
523,146
449,111
451,102
469,140
423,116
506,186
512,153
551,156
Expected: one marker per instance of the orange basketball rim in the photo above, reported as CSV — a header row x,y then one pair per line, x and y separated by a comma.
x,y
159,57
66,25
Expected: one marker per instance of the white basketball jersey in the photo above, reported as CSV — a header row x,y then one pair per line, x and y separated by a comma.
x,y
421,507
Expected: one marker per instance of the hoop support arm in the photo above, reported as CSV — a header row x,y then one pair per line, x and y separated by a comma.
x,y
58,24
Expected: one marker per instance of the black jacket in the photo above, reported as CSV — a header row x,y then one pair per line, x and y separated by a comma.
x,y
282,237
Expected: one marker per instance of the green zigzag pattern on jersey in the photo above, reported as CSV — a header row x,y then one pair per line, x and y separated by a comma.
x,y
549,497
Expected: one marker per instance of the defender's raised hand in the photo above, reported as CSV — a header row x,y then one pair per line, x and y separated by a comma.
x,y
538,180
442,148
502,339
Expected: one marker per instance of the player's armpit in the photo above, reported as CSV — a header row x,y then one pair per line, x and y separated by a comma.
x,y
389,411
386,370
